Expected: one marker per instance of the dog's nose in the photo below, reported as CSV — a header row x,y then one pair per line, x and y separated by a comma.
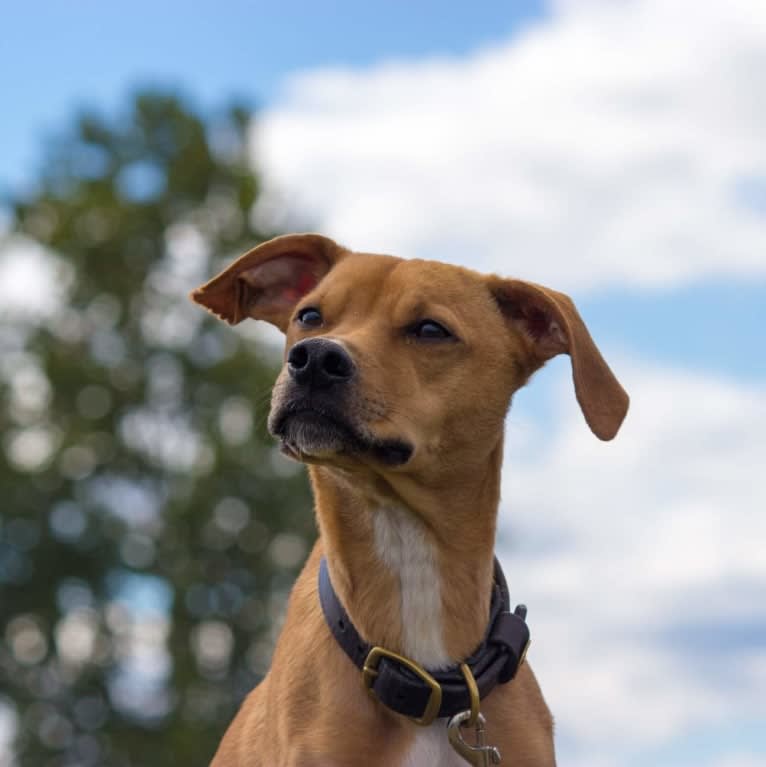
x,y
319,363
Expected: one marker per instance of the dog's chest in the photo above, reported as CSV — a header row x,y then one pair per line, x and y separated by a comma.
x,y
431,749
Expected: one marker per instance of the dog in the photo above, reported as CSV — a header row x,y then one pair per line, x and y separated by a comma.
x,y
397,378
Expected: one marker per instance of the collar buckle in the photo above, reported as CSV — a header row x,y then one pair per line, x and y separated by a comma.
x,y
370,671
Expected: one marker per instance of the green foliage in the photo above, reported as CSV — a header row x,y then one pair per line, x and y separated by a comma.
x,y
149,530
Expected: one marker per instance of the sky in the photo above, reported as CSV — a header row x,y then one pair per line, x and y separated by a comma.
x,y
612,150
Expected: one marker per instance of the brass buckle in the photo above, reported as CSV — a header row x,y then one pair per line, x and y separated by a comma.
x,y
370,671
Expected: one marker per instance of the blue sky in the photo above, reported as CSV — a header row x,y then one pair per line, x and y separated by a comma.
x,y
611,150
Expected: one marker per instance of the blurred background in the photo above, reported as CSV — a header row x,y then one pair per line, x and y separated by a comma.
x,y
149,531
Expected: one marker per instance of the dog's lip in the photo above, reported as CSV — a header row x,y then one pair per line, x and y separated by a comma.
x,y
391,452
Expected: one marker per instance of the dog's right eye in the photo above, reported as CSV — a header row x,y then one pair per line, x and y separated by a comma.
x,y
310,317
430,330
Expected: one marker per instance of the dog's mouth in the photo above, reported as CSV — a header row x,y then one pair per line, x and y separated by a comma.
x,y
310,433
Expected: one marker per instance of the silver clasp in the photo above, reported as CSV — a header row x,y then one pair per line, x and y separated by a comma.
x,y
480,755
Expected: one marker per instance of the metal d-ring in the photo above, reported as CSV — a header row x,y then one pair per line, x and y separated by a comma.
x,y
473,691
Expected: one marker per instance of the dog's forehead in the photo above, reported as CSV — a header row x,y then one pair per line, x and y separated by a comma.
x,y
362,270
399,277
438,280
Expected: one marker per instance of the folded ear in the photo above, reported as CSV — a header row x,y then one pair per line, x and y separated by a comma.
x,y
551,325
270,279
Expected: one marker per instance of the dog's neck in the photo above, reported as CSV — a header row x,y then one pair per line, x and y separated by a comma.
x,y
412,564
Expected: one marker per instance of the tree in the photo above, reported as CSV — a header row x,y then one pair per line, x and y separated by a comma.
x,y
149,529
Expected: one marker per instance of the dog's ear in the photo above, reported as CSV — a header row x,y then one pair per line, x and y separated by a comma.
x,y
551,325
270,279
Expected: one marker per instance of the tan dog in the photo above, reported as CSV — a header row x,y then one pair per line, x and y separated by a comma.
x,y
397,378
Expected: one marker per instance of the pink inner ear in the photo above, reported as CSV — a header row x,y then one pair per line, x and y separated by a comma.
x,y
305,283
280,283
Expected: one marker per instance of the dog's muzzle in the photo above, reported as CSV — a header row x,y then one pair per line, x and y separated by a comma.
x,y
312,415
316,413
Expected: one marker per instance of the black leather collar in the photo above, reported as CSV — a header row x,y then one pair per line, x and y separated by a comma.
x,y
406,691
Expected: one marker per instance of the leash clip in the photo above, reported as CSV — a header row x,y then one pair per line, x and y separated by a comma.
x,y
480,755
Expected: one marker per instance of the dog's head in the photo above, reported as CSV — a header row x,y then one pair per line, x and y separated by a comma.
x,y
392,362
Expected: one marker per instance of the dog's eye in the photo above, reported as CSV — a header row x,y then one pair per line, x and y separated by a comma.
x,y
310,317
430,330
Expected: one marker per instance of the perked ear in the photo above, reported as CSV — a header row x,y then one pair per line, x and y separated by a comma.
x,y
550,322
270,279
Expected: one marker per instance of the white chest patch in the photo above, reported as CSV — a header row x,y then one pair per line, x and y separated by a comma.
x,y
403,546
431,749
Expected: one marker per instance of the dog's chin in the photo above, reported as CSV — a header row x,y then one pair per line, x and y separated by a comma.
x,y
312,435
315,437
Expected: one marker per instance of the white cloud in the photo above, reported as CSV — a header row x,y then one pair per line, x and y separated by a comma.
x,y
642,561
612,143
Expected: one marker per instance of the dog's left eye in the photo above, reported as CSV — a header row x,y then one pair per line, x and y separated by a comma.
x,y
430,330
310,317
